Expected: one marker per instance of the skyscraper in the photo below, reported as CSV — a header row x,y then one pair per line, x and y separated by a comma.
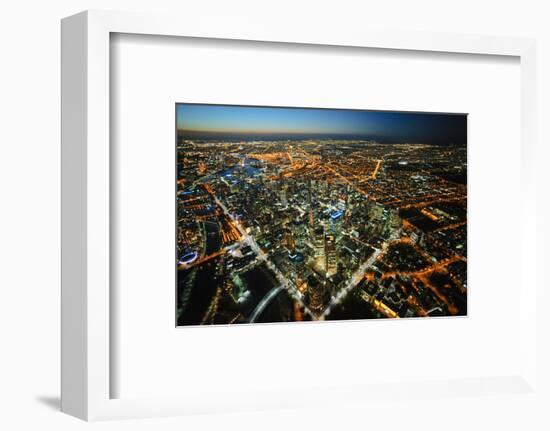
x,y
289,240
283,196
316,293
318,242
311,218
331,257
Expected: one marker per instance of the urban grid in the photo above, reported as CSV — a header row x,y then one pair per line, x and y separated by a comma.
x,y
288,215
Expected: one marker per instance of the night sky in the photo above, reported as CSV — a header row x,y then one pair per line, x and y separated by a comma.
x,y
218,121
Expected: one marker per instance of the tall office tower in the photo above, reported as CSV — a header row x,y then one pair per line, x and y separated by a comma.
x,y
331,257
311,218
282,195
318,242
290,242
316,293
323,187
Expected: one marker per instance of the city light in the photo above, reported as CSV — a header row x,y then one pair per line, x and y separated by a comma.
x,y
288,226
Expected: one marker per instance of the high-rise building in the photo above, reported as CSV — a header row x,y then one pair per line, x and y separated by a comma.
x,y
318,242
311,218
283,197
289,240
331,257
318,245
316,293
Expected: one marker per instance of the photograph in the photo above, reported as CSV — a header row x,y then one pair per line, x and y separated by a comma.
x,y
290,214
253,216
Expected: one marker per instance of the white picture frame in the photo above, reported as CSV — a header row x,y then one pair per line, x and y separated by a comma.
x,y
86,170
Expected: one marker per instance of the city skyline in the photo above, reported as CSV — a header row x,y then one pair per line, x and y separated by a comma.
x,y
301,214
211,121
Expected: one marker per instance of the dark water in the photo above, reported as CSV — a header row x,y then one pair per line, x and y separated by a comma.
x,y
260,281
197,286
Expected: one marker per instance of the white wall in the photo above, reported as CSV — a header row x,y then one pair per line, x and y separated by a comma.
x,y
29,190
